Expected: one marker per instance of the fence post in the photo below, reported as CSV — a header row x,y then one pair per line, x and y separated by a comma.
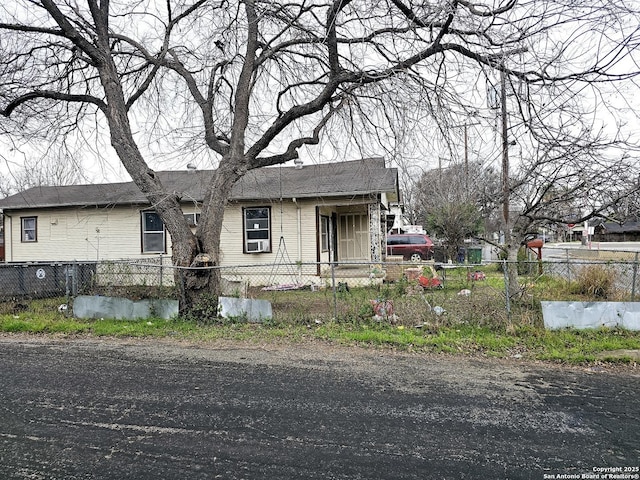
x,y
635,275
568,266
67,283
71,286
161,272
335,292
69,274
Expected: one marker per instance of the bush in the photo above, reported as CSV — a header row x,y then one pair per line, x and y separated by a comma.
x,y
595,281
204,312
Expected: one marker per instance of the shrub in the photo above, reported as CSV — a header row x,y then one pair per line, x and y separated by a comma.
x,y
205,311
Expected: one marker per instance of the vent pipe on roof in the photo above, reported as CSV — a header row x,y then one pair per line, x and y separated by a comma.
x,y
298,163
191,166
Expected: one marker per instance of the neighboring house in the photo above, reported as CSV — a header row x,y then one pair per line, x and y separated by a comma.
x,y
319,213
617,232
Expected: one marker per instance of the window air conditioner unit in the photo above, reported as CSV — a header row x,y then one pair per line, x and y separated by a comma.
x,y
257,246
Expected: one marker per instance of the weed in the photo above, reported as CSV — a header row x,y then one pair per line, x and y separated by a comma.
x,y
204,312
474,323
595,281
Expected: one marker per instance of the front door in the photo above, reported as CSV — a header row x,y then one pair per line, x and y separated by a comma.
x,y
353,237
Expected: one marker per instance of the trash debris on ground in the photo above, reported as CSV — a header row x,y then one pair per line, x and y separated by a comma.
x,y
429,278
383,311
428,305
427,282
285,287
475,276
465,292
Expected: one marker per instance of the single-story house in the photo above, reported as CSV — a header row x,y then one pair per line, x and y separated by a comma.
x,y
628,231
318,213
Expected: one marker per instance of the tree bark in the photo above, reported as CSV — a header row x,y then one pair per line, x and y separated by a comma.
x,y
167,205
206,279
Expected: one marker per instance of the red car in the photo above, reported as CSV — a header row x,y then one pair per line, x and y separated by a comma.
x,y
412,246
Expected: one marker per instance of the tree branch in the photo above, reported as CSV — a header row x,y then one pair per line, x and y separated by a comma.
x,y
292,150
243,89
52,95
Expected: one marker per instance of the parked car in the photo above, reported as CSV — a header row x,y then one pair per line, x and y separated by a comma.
x,y
412,246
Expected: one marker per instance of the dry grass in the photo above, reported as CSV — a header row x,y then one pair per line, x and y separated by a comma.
x,y
595,281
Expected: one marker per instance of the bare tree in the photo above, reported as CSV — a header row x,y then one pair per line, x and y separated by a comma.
x,y
6,188
454,203
247,84
54,165
36,171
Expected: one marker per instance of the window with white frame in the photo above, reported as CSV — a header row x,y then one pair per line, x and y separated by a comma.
x,y
153,236
257,229
29,229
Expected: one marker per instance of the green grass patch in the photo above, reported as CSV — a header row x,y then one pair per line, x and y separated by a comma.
x,y
566,346
577,346
470,326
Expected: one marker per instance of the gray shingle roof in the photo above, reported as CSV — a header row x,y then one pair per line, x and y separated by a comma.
x,y
626,227
357,177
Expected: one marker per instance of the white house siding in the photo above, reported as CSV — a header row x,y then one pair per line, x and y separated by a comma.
x,y
294,222
88,234
68,234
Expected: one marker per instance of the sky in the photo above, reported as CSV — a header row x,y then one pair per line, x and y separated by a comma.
x,y
414,152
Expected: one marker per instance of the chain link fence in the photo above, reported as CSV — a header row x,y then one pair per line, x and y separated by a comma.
x,y
398,291
45,280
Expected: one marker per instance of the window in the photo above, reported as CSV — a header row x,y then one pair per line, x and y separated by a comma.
x,y
324,234
395,240
153,240
192,219
29,229
257,230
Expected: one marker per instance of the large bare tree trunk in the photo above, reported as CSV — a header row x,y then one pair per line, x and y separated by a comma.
x,y
202,279
184,243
